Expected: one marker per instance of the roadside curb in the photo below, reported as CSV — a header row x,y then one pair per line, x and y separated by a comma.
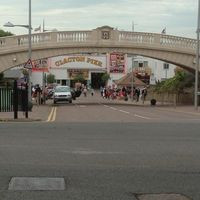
x,y
19,120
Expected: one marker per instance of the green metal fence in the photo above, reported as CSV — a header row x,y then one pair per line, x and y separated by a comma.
x,y
6,100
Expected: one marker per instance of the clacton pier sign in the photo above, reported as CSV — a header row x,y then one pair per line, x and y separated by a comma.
x,y
78,59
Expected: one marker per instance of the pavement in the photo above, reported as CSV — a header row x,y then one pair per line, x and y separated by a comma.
x,y
38,113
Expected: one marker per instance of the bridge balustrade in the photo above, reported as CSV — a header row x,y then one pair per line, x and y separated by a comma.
x,y
121,37
157,39
71,36
136,37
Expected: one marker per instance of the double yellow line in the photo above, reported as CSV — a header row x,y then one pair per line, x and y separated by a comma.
x,y
52,115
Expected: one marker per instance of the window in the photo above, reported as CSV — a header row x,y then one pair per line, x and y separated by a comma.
x,y
145,63
165,66
141,64
135,64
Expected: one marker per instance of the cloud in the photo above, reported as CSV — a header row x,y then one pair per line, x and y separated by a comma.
x,y
149,15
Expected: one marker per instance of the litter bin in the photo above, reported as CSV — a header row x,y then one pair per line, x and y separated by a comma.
x,y
153,102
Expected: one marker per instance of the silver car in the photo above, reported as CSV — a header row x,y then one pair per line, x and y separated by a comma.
x,y
62,93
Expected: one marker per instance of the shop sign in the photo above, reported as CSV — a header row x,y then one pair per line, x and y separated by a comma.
x,y
74,72
78,59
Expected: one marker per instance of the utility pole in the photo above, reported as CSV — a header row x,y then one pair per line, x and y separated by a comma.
x,y
29,55
132,78
197,61
133,26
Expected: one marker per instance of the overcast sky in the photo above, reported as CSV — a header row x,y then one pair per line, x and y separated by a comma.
x,y
178,16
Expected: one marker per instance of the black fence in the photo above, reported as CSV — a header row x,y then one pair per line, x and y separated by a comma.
x,y
14,99
6,99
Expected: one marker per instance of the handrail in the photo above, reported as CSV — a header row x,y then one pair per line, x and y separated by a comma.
x,y
92,37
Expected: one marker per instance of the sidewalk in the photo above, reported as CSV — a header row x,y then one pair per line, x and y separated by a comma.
x,y
39,113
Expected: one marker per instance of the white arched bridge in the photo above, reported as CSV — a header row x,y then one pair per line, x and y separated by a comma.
x,y
176,50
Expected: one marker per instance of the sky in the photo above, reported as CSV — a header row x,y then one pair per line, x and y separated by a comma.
x,y
178,16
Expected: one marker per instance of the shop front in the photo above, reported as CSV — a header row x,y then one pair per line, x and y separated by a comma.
x,y
70,69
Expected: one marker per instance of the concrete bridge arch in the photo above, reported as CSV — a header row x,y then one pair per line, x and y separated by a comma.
x,y
176,50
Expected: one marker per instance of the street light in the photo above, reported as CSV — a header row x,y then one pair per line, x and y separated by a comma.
x,y
197,61
9,24
132,78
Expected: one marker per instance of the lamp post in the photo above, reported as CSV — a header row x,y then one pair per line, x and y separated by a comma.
x,y
29,27
132,78
197,60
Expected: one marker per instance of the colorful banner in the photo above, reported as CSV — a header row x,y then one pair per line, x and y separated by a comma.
x,y
40,65
117,63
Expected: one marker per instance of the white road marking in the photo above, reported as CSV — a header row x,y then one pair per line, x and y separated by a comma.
x,y
124,111
81,106
141,116
113,108
106,106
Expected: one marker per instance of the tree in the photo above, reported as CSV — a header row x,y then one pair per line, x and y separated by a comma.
x,y
105,78
25,72
50,78
5,33
79,78
175,85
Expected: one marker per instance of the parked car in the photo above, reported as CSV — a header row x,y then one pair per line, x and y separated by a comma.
x,y
62,93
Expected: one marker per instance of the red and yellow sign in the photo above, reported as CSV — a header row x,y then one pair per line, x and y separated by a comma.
x,y
40,65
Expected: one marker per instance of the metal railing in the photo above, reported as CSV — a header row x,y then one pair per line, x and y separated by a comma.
x,y
6,100
14,99
92,37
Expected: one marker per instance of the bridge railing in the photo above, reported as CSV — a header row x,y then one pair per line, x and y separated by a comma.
x,y
71,36
92,37
157,39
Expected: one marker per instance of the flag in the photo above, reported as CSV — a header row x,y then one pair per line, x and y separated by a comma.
x,y
163,31
37,29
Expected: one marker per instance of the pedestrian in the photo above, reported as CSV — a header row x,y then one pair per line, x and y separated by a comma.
x,y
137,92
38,93
85,91
144,94
92,92
101,91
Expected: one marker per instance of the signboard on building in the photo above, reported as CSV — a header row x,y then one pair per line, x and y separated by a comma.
x,y
117,63
79,62
40,65
74,72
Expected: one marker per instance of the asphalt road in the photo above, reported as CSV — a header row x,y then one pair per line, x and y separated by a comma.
x,y
104,152
102,112
102,160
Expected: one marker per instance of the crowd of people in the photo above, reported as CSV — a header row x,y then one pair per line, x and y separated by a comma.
x,y
112,93
124,93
